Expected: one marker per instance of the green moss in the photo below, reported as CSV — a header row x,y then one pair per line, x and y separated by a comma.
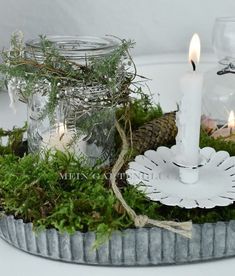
x,y
140,112
217,144
14,141
60,191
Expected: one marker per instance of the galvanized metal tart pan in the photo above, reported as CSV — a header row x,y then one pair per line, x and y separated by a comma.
x,y
131,247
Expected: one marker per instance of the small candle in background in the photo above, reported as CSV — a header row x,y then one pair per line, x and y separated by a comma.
x,y
231,122
231,127
227,130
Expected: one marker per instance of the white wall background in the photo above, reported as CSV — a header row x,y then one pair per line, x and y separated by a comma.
x,y
158,26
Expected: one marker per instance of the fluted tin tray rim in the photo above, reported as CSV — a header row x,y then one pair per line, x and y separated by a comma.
x,y
130,247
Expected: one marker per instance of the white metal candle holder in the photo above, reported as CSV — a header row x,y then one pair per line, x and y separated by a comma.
x,y
158,175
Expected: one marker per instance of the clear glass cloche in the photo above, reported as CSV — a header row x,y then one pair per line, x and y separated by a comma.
x,y
219,82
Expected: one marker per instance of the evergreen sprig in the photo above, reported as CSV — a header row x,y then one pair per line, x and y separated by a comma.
x,y
111,71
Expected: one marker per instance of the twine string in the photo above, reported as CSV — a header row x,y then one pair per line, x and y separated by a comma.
x,y
181,228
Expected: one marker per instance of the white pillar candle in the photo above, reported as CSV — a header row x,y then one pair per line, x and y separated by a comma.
x,y
189,116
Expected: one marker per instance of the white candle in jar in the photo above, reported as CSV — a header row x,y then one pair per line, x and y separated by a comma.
x,y
189,116
59,139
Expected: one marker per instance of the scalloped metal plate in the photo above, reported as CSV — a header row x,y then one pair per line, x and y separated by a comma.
x,y
155,174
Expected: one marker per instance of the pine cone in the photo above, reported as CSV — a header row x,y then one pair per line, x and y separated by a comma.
x,y
158,132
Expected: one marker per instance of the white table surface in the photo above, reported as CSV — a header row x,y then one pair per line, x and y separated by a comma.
x,y
164,71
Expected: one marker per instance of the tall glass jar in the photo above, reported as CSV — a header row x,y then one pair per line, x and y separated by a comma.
x,y
80,122
219,82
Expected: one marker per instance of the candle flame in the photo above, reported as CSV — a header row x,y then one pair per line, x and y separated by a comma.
x,y
194,49
231,120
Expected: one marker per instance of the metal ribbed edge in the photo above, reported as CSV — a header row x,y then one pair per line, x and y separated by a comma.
x,y
131,247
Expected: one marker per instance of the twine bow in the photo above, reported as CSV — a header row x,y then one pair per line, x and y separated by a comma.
x,y
181,228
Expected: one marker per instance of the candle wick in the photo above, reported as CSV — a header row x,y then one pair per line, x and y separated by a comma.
x,y
193,64
61,136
